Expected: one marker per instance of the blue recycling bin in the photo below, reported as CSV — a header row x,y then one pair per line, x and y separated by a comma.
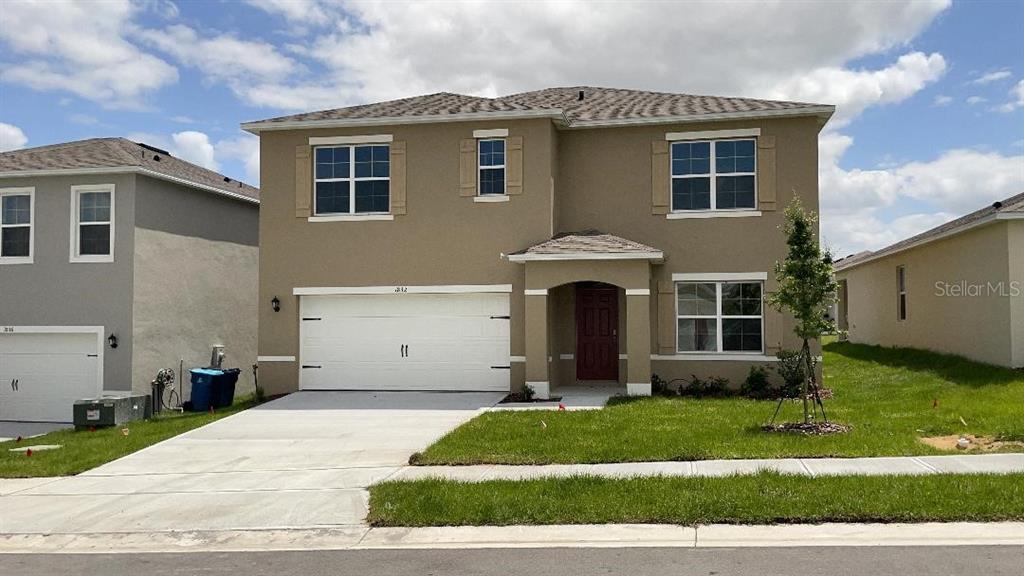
x,y
203,388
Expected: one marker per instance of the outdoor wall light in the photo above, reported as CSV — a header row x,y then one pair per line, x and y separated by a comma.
x,y
112,340
275,304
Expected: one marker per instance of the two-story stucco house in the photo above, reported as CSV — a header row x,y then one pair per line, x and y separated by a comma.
x,y
118,260
450,242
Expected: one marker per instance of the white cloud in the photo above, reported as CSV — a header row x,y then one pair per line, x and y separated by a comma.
x,y
942,100
80,48
244,148
298,11
83,119
955,183
1017,93
378,51
182,119
975,100
194,147
11,137
990,77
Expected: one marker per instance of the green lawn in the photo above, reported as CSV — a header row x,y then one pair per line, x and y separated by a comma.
x,y
85,450
886,394
764,498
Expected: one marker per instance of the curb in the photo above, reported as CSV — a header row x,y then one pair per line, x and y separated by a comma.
x,y
561,536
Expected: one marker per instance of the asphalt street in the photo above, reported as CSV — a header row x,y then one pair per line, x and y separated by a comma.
x,y
838,561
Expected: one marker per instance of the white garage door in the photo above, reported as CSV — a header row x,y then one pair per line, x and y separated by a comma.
x,y
41,375
453,342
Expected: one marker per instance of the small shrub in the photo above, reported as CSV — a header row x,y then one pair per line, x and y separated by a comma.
x,y
713,387
790,368
756,385
660,387
528,393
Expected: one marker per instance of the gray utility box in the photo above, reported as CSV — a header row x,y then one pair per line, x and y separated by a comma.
x,y
111,410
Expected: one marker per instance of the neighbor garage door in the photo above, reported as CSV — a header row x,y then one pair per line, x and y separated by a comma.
x,y
451,342
42,374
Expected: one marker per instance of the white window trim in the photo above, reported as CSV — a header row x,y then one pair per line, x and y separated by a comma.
x,y
480,168
719,276
732,213
712,175
488,198
76,191
351,215
31,193
719,332
346,140
493,133
713,134
901,293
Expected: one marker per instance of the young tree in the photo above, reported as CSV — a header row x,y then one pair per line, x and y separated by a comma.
x,y
807,286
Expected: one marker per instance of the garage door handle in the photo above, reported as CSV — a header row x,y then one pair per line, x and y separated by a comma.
x,y
308,319
311,366
14,384
501,317
501,367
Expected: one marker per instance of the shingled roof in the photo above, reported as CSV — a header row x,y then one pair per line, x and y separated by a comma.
x,y
576,106
1008,208
586,244
119,154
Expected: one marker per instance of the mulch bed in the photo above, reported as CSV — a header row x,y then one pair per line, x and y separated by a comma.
x,y
519,397
811,429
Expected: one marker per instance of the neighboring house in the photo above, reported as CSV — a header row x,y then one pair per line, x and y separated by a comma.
x,y
450,242
957,288
108,241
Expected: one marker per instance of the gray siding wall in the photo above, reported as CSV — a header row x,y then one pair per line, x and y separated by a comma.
x,y
52,291
195,280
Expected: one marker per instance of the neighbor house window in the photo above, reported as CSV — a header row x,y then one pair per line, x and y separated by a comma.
x,y
714,175
719,317
492,166
352,180
16,212
92,223
901,291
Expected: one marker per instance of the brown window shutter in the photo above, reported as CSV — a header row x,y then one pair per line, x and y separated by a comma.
x,y
303,181
666,318
514,165
398,177
773,331
467,167
659,177
766,172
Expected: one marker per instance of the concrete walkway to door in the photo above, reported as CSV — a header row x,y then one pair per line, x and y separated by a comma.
x,y
303,461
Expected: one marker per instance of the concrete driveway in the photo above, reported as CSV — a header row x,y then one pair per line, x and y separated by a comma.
x,y
302,461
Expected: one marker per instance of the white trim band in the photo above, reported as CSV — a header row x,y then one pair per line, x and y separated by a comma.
x,y
715,357
517,359
275,358
587,256
713,134
493,133
821,111
638,291
712,214
440,289
718,276
125,170
352,218
366,139
638,388
490,198
541,390
536,292
257,127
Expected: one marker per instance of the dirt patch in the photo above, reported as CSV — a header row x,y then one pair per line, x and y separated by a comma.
x,y
811,429
974,443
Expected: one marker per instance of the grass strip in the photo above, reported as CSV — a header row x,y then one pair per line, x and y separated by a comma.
x,y
764,498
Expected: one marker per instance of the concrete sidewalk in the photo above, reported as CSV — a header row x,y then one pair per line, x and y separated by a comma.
x,y
908,465
565,536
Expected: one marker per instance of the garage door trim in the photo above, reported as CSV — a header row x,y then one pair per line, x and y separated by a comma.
x,y
405,289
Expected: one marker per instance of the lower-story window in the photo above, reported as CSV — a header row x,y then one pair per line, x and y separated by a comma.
x,y
719,317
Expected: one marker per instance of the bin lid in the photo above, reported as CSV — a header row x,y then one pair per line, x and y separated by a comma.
x,y
207,371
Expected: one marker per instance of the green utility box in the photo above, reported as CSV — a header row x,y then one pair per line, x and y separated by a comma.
x,y
112,410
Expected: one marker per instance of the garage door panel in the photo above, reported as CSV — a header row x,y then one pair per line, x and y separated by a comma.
x,y
405,342
52,371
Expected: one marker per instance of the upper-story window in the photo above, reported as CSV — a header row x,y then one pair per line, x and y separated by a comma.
x,y
16,225
901,292
352,179
714,175
492,166
92,223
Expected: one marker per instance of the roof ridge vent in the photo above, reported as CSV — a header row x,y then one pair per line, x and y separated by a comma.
x,y
997,204
154,149
581,95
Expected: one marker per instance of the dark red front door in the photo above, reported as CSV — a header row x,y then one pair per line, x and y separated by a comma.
x,y
597,325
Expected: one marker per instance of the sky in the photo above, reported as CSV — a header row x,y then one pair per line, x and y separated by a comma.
x,y
929,93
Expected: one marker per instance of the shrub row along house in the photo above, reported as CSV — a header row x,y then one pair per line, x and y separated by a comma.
x,y
450,242
957,288
117,260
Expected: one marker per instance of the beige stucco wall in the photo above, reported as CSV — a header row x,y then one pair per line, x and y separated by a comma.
x,y
195,282
599,178
975,326
1015,234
